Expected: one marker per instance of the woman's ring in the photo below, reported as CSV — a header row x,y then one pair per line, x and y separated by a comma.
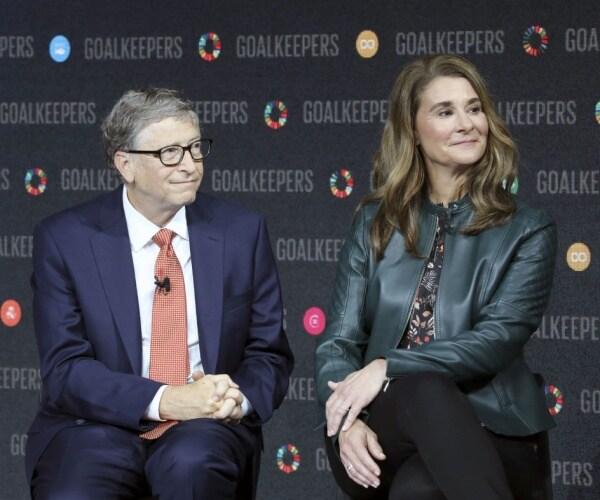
x,y
349,466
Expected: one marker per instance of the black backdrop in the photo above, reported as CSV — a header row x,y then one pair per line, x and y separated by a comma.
x,y
322,83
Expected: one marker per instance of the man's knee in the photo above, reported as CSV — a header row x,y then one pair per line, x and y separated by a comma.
x,y
201,441
50,489
205,453
181,462
91,461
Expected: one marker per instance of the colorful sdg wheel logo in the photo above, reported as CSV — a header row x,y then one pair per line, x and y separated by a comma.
x,y
275,114
209,46
35,181
288,458
535,41
341,183
555,399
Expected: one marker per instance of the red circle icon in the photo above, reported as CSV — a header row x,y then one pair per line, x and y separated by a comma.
x,y
10,313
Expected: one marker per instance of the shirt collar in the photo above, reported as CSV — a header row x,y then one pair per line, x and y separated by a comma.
x,y
141,230
453,207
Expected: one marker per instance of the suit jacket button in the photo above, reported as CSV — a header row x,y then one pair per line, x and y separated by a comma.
x,y
80,421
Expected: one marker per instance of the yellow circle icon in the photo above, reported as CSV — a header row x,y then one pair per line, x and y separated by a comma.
x,y
367,44
579,257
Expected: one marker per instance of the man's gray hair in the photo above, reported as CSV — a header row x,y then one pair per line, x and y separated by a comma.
x,y
135,110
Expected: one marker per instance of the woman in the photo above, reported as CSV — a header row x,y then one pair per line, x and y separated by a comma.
x,y
442,280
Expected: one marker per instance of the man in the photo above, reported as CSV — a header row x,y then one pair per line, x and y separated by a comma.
x,y
158,318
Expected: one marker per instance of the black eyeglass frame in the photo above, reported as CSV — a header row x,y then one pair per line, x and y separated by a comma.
x,y
183,149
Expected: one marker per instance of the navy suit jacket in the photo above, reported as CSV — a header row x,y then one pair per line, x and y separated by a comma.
x,y
87,320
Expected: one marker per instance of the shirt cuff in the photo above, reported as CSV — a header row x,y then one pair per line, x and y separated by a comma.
x,y
246,406
152,412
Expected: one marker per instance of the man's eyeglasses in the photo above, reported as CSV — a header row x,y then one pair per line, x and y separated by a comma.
x,y
171,156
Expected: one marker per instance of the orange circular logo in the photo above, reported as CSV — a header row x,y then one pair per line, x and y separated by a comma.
x,y
367,44
579,256
10,313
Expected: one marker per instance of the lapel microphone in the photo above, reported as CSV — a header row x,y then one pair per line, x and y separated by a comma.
x,y
164,285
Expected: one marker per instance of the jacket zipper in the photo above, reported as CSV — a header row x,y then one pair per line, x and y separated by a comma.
x,y
387,382
436,306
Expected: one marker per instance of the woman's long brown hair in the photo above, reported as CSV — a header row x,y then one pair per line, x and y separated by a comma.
x,y
399,170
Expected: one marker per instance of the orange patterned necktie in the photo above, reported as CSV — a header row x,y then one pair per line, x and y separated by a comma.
x,y
169,362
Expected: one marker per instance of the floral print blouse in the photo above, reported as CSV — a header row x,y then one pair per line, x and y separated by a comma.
x,y
421,327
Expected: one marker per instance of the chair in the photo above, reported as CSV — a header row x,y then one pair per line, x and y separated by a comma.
x,y
542,489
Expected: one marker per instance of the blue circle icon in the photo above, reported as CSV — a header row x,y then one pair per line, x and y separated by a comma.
x,y
60,48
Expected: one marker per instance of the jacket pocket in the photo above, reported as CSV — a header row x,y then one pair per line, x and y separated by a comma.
x,y
501,382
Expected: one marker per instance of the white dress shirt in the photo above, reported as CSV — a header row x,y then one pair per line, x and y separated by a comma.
x,y
144,253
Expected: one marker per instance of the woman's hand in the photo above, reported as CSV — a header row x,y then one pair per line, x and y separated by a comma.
x,y
353,394
359,449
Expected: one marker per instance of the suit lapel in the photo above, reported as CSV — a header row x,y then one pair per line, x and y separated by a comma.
x,y
112,252
207,247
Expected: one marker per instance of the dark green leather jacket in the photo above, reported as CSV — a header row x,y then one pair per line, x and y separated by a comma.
x,y
492,293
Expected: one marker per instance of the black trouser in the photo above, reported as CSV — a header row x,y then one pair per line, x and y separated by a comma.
x,y
436,448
